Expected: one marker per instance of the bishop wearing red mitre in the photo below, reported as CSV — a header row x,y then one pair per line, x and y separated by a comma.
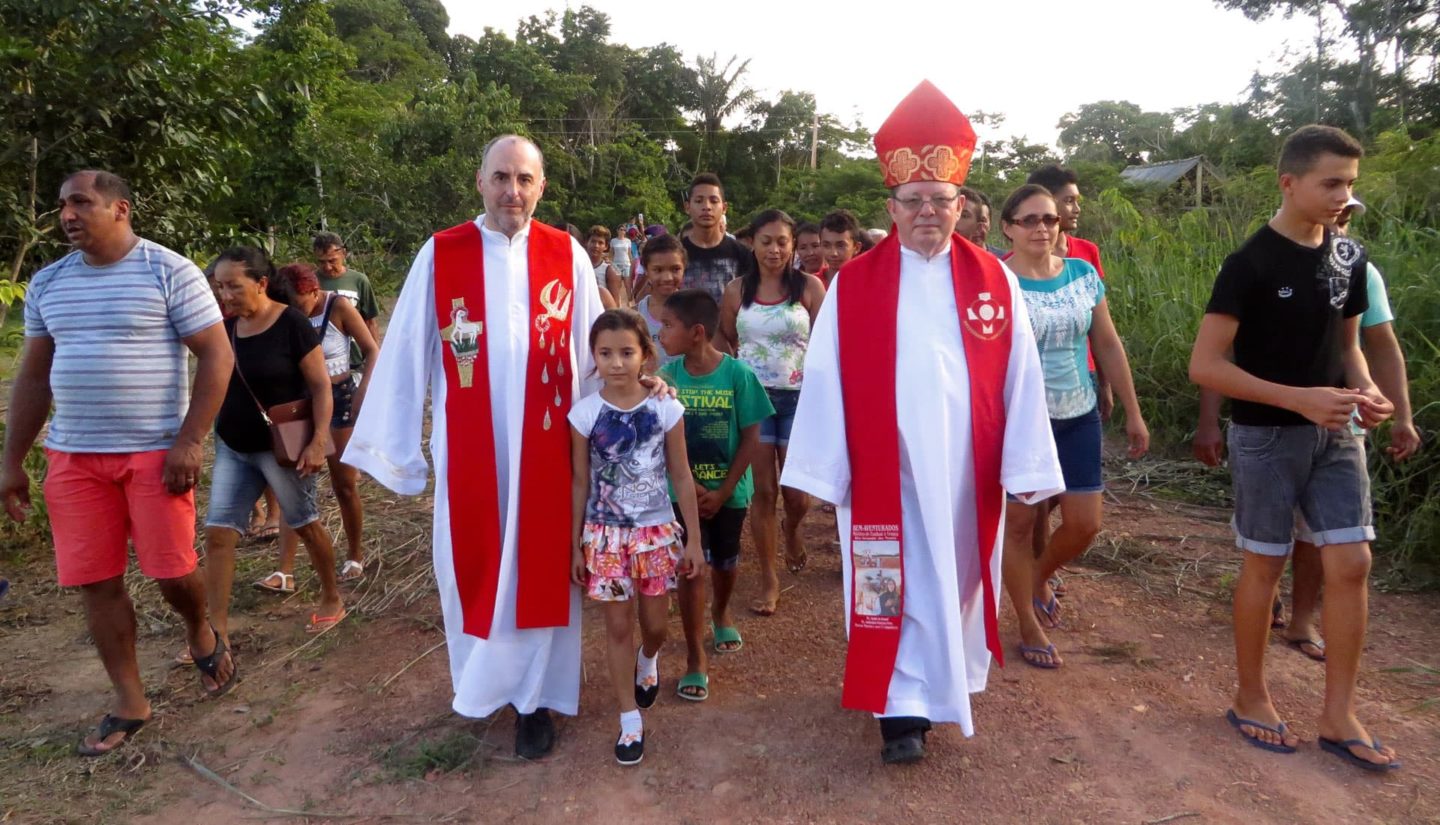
x,y
924,350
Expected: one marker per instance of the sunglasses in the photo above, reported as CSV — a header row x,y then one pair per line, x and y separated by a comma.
x,y
1033,221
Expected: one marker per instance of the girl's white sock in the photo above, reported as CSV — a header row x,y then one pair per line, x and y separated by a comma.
x,y
631,725
647,669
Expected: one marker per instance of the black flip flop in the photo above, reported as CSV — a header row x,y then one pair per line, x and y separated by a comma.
x,y
1277,614
1236,721
210,666
1299,644
1342,750
1048,650
109,726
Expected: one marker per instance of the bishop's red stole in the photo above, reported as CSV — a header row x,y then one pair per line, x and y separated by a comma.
x,y
476,526
869,297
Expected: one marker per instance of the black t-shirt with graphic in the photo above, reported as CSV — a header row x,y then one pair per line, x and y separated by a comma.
x,y
1291,302
711,269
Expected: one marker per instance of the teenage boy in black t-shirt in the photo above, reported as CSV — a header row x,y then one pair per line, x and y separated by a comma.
x,y
1288,304
714,258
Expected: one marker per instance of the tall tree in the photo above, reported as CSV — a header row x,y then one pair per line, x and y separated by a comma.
x,y
1406,29
719,94
151,91
1115,131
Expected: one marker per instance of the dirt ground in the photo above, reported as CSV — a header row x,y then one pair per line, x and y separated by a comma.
x,y
355,726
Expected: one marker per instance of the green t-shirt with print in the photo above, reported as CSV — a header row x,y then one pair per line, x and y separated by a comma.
x,y
717,407
355,287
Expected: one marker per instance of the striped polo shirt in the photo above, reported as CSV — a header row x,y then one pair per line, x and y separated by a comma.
x,y
119,378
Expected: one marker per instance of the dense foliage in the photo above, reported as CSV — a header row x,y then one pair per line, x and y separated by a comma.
x,y
265,120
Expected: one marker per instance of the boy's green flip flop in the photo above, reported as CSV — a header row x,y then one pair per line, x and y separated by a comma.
x,y
727,636
699,685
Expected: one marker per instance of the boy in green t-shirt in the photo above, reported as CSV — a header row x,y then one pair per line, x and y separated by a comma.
x,y
724,404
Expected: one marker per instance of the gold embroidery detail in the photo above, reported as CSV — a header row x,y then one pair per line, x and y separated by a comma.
x,y
901,165
941,162
463,336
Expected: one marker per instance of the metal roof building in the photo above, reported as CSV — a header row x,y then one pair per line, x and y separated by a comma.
x,y
1171,172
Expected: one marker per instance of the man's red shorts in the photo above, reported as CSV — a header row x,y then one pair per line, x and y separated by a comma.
x,y
99,501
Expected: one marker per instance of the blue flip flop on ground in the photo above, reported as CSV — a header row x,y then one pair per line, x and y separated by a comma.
x,y
1236,722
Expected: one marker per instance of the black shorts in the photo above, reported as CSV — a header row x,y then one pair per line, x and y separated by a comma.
x,y
720,536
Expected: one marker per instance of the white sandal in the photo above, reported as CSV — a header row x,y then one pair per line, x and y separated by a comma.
x,y
287,583
351,571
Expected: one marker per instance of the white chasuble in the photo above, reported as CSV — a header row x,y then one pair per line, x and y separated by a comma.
x,y
526,668
942,657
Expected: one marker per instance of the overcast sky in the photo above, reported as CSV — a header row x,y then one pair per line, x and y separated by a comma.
x,y
1033,60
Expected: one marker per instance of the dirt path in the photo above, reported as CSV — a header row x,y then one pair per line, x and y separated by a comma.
x,y
358,723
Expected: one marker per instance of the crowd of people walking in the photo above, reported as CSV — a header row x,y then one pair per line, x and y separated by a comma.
x,y
936,391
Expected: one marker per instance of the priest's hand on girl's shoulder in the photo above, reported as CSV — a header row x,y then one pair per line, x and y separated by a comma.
x,y
577,567
692,560
657,386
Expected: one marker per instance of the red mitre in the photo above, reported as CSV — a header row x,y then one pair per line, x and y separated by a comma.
x,y
925,138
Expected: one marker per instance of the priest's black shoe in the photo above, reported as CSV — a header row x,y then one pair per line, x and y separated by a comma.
x,y
534,734
904,739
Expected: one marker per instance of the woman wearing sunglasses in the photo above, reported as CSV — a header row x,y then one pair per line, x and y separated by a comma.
x,y
1066,302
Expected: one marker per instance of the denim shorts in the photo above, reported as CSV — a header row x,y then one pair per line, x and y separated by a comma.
x,y
775,429
1279,470
238,479
1077,443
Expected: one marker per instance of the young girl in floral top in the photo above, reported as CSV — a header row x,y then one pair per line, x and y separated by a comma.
x,y
626,545
765,316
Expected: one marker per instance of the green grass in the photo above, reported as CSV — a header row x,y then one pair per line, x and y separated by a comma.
x,y
12,333
447,753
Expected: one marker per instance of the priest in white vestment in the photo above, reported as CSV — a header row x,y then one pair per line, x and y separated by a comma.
x,y
963,352
535,669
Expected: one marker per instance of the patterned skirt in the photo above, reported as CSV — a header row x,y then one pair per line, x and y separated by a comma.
x,y
623,560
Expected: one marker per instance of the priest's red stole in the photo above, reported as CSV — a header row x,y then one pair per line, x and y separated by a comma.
x,y
869,295
476,525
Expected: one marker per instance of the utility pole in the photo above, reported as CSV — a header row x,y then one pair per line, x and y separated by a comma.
x,y
814,140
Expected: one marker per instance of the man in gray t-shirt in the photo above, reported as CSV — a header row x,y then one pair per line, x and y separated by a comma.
x,y
106,333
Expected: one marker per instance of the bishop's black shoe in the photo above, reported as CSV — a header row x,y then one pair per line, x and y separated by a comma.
x,y
904,739
534,734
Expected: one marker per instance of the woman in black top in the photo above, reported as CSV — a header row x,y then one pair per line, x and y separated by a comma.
x,y
277,359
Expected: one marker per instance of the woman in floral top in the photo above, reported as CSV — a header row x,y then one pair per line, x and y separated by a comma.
x,y
765,316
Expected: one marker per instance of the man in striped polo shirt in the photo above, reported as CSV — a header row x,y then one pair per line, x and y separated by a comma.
x,y
106,332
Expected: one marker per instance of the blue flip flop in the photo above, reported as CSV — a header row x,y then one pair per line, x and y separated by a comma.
x,y
1048,650
1342,750
1235,721
1050,610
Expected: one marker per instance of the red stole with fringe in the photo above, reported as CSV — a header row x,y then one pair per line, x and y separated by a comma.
x,y
868,322
476,526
